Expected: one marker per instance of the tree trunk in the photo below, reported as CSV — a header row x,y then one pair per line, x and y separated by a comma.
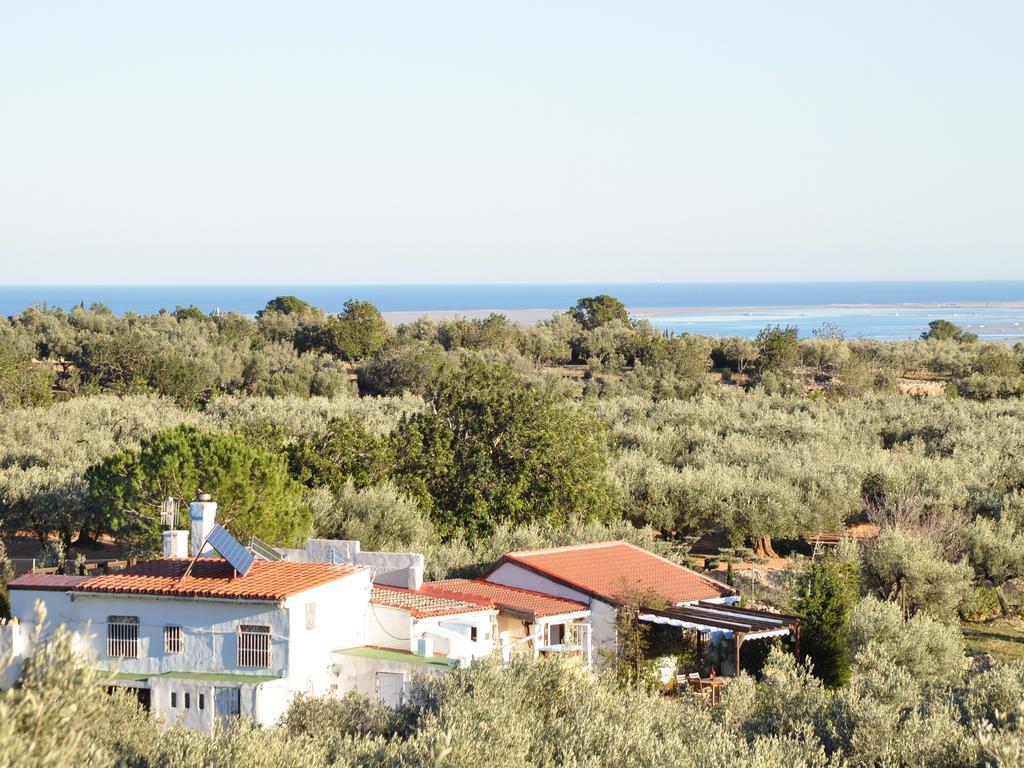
x,y
1003,605
763,546
86,539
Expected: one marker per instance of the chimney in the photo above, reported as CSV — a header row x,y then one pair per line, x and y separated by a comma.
x,y
176,544
203,512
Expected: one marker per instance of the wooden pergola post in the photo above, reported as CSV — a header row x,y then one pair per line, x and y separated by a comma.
x,y
740,637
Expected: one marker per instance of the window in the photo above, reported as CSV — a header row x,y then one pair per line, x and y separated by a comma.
x,y
174,699
253,646
123,637
202,701
188,700
472,634
556,634
174,642
310,615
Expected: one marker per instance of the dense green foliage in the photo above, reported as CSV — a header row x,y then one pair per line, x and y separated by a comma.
x,y
380,517
996,551
912,572
500,438
595,311
255,494
944,330
491,449
6,574
474,437
824,605
22,381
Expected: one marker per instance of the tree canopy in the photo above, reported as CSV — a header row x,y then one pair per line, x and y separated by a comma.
x,y
594,311
824,604
252,487
493,449
944,330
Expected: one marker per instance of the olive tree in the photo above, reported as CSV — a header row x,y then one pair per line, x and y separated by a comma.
x,y
996,551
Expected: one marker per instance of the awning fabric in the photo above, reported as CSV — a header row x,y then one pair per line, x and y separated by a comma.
x,y
727,619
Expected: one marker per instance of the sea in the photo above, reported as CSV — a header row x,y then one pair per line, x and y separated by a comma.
x,y
878,310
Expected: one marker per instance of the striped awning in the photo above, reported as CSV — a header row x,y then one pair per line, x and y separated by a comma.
x,y
715,617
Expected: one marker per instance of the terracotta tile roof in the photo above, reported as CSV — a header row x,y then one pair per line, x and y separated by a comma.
x,y
51,582
214,577
423,605
526,601
612,569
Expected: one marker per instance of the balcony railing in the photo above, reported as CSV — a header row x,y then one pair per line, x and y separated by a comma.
x,y
575,640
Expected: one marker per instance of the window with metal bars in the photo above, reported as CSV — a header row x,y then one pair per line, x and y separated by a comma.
x,y
253,646
123,637
174,641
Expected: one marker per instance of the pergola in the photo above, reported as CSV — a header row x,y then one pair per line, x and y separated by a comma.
x,y
741,623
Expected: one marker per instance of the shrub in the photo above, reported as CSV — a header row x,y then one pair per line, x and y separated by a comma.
x,y
982,605
380,517
912,572
925,648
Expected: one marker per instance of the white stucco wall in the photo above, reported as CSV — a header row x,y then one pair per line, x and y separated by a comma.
x,y
339,623
388,627
602,614
512,575
210,631
360,674
209,628
13,649
397,569
23,602
265,703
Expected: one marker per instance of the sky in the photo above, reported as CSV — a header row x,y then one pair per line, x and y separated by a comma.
x,y
548,141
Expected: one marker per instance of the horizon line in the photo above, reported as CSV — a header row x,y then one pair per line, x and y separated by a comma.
x,y
512,283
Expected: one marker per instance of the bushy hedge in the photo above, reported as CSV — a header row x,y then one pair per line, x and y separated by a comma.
x,y
545,713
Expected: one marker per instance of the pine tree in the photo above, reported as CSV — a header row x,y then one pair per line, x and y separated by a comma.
x,y
825,607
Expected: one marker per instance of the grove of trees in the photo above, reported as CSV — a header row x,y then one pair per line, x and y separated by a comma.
x,y
467,438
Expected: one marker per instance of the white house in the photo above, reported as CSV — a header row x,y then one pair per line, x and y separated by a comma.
x,y
409,631
528,622
204,637
600,576
200,642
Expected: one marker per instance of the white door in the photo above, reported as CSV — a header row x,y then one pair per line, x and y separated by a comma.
x,y
390,688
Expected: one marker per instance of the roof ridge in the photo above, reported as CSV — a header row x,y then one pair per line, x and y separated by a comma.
x,y
555,563
515,589
568,548
446,594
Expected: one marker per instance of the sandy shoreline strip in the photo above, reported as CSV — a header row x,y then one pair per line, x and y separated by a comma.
x,y
531,316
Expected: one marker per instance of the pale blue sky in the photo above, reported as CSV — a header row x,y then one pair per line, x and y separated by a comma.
x,y
308,142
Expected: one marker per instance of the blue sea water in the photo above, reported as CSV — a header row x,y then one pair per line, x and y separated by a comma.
x,y
886,310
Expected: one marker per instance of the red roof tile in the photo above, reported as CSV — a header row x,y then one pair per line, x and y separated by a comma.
x,y
214,577
51,582
422,605
612,569
526,601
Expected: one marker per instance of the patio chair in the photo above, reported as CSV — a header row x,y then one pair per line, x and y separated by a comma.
x,y
685,682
